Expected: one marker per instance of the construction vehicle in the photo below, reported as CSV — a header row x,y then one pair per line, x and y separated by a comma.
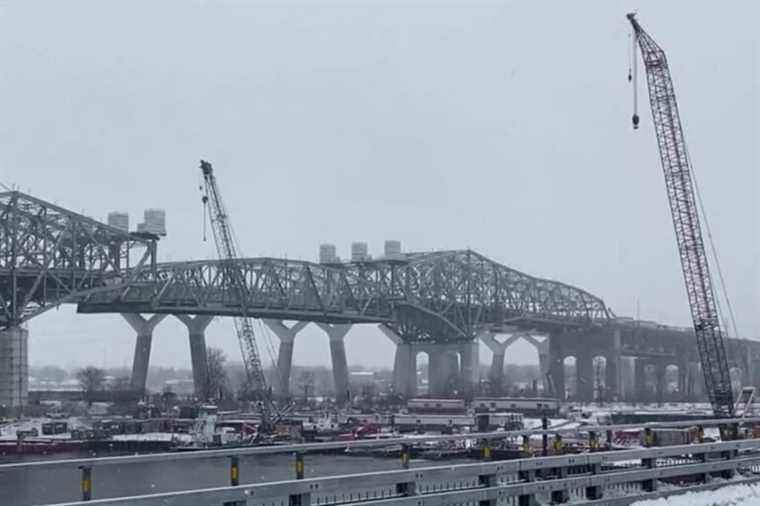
x,y
226,247
680,186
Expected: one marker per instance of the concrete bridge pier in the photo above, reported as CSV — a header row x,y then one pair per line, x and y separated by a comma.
x,y
613,369
470,365
450,370
144,328
639,380
337,333
585,377
196,333
660,378
612,378
499,350
682,381
404,364
557,368
543,358
440,368
287,337
452,366
14,367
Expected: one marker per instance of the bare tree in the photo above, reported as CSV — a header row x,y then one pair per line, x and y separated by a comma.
x,y
306,382
91,379
217,380
121,384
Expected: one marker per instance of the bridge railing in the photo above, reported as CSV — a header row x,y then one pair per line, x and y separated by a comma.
x,y
620,477
434,479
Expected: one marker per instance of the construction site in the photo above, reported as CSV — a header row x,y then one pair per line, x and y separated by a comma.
x,y
617,409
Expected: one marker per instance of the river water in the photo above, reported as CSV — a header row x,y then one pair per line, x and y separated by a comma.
x,y
61,484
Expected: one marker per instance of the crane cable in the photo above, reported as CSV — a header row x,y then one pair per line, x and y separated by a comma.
x,y
633,78
262,329
713,249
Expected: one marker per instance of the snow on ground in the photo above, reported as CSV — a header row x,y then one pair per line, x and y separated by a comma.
x,y
745,495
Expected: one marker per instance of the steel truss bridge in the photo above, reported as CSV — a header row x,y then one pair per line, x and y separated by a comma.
x,y
51,256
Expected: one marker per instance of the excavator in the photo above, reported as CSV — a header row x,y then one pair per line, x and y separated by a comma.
x,y
680,186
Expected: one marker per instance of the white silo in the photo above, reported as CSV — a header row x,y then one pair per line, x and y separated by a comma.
x,y
119,220
327,254
154,221
392,249
359,251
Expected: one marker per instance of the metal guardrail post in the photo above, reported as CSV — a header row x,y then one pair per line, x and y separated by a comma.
x,y
559,496
593,442
299,466
594,492
728,455
702,457
649,439
558,448
299,499
234,471
86,482
526,477
405,456
544,437
651,484
488,480
526,446
406,489
486,453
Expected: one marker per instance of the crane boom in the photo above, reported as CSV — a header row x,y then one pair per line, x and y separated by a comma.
x,y
227,252
683,207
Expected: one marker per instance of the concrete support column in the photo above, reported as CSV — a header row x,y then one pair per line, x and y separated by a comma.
x,y
613,368
659,380
144,328
682,381
196,333
499,349
470,368
585,376
287,337
542,347
452,370
639,380
496,373
14,369
699,382
557,368
337,333
543,363
612,378
404,364
437,374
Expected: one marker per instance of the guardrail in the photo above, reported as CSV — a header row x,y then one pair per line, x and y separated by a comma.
x,y
369,443
86,465
617,477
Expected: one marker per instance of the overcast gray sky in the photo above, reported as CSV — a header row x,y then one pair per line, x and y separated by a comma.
x,y
499,126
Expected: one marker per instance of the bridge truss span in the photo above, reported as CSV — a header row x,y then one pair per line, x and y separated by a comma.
x,y
423,296
50,256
